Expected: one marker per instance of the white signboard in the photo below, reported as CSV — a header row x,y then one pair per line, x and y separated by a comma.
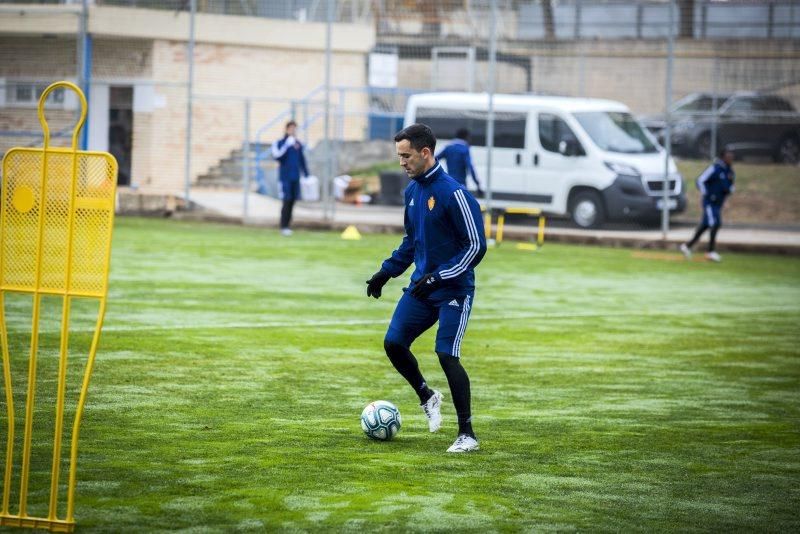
x,y
383,69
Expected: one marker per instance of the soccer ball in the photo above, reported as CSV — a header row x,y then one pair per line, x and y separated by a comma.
x,y
381,420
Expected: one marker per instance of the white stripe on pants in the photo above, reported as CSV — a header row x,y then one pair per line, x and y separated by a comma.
x,y
710,215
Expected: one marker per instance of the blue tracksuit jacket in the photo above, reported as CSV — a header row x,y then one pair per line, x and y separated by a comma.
x,y
444,234
716,183
459,161
289,152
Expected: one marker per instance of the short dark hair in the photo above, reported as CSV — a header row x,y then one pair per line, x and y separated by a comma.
x,y
724,150
290,123
418,135
462,133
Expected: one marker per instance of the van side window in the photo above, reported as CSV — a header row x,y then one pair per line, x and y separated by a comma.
x,y
509,128
552,130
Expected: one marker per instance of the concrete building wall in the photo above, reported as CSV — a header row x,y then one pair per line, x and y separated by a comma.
x,y
224,76
269,61
418,74
634,72
631,71
28,59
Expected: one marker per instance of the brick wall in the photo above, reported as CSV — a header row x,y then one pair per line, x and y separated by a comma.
x,y
271,61
224,76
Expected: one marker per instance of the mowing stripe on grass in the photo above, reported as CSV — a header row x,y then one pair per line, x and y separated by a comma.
x,y
477,317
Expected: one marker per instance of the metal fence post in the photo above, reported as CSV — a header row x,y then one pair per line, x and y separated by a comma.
x,y
246,160
667,120
187,171
391,123
339,134
342,112
703,20
306,120
771,21
490,116
85,67
328,198
714,105
639,19
581,69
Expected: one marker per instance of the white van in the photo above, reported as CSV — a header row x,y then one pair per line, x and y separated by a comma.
x,y
586,158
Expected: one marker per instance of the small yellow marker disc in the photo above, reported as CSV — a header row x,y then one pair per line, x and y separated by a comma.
x,y
23,199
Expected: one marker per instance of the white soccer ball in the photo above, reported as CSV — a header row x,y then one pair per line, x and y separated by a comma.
x,y
381,420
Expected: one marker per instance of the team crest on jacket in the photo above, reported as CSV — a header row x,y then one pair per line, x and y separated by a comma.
x,y
431,203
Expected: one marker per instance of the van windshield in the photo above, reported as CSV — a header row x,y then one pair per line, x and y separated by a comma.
x,y
616,132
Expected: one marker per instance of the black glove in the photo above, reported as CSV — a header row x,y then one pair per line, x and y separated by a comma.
x,y
426,285
376,283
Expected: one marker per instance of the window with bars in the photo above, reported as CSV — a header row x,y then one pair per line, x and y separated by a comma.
x,y
26,94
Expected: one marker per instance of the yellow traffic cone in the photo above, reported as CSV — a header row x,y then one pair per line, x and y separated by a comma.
x,y
351,233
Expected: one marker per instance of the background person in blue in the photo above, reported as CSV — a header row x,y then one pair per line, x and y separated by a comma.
x,y
445,241
458,159
715,184
289,152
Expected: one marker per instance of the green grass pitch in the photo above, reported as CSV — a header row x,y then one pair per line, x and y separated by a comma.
x,y
611,391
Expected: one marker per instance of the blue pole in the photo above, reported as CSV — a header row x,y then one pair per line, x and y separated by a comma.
x,y
87,83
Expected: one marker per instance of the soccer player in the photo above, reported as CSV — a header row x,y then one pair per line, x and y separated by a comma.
x,y
458,159
445,241
715,184
289,152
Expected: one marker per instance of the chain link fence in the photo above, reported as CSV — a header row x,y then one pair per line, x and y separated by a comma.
x,y
256,64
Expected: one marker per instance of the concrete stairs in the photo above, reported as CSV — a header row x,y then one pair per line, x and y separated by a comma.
x,y
348,155
227,174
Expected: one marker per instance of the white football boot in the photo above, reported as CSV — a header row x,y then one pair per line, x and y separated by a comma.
x,y
713,256
686,251
464,443
433,411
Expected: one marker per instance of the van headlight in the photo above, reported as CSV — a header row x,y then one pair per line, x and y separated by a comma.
x,y
621,168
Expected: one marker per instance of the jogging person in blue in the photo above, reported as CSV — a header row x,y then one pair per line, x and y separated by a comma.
x,y
458,159
289,152
445,241
715,184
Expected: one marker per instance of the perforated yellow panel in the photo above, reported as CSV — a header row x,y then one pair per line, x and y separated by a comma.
x,y
28,203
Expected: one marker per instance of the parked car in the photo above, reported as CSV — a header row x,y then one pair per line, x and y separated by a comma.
x,y
582,157
752,124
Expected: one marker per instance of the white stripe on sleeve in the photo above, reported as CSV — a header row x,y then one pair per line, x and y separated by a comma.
x,y
472,234
701,181
280,151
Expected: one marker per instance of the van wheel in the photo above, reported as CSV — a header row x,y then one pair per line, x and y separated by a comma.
x,y
587,210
